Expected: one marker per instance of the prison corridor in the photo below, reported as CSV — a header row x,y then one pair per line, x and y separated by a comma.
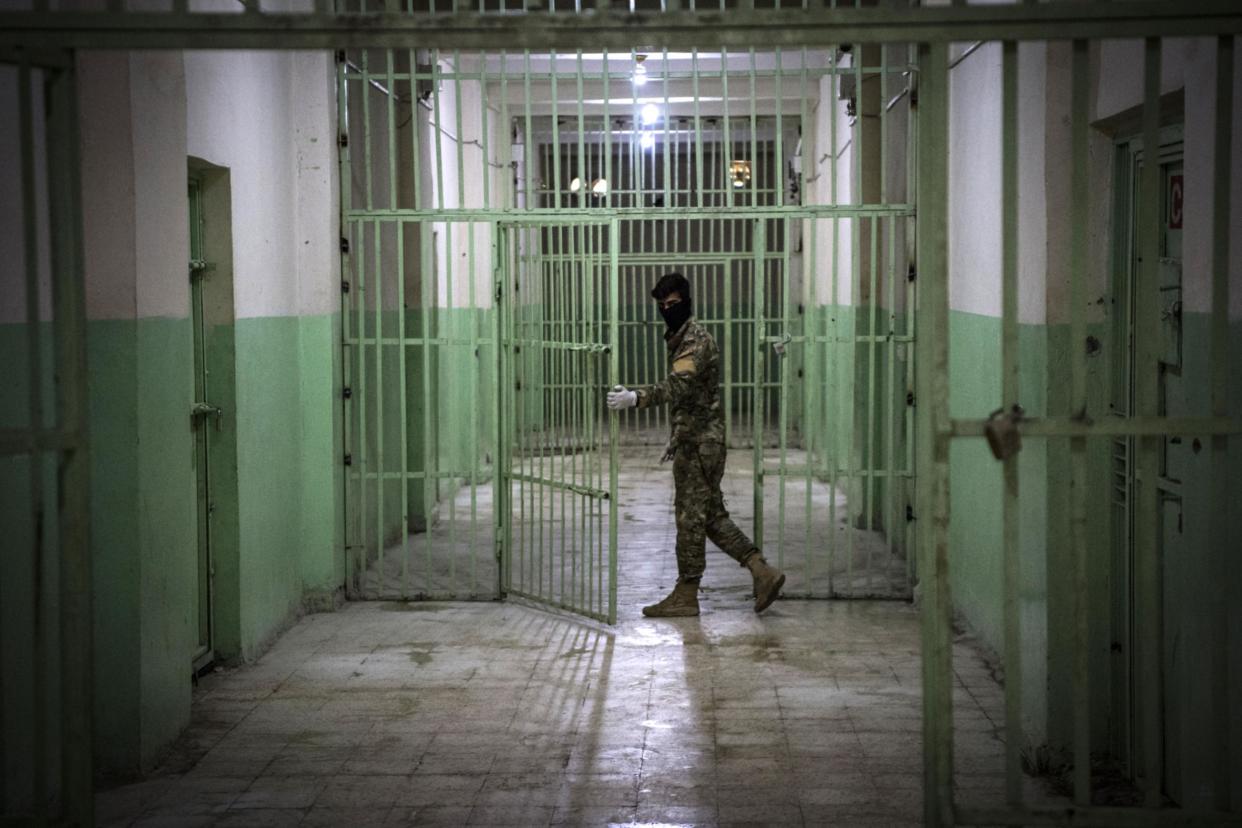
x,y
429,713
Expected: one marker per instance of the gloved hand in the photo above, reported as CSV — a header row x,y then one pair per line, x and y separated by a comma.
x,y
670,451
621,397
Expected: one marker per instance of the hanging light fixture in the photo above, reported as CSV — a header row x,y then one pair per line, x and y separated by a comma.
x,y
739,171
650,114
576,185
639,77
599,187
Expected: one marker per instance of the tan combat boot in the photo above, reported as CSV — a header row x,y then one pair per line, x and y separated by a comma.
x,y
768,581
682,602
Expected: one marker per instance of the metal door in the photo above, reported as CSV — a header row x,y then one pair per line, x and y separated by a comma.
x,y
205,418
557,493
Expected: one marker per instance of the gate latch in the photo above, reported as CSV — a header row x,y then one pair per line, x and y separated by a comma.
x,y
1001,430
202,410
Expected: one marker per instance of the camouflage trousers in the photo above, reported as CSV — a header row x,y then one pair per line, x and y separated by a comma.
x,y
701,514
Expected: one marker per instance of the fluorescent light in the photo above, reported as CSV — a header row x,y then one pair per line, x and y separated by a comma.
x,y
640,75
647,141
650,114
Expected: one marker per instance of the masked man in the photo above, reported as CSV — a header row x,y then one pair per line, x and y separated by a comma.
x,y
697,449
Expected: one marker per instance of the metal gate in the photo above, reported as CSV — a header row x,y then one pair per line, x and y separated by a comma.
x,y
557,504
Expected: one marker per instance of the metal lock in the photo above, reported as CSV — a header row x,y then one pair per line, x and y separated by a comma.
x,y
1002,432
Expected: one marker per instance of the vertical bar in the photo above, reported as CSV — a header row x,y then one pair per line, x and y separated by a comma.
x,y
1009,397
933,436
378,340
366,131
1147,520
390,126
363,442
760,246
783,414
1222,526
438,131
475,376
403,413
39,631
872,349
69,310
1078,408
614,368
427,279
698,136
460,140
556,134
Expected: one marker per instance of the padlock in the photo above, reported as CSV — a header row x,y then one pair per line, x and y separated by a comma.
x,y
1002,432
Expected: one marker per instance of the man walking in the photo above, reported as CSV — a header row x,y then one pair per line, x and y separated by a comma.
x,y
697,449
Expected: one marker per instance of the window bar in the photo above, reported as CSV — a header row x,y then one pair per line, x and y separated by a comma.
x,y
912,149
698,131
783,370
1079,210
416,162
476,335
390,103
1009,396
832,346
459,137
437,79
811,372
890,347
528,156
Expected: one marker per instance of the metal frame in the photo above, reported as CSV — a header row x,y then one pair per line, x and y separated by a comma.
x,y
59,437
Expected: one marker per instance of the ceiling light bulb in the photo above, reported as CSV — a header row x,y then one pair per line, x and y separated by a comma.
x,y
647,141
600,187
575,185
640,75
650,114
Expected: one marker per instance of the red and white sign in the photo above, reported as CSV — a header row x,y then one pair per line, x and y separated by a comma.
x,y
1176,191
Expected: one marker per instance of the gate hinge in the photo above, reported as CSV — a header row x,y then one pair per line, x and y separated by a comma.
x,y
349,459
801,310
344,245
517,386
499,293
347,392
911,274
342,140
909,398
344,286
909,513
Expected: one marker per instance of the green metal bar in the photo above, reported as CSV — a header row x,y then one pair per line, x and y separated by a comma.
x,y
390,102
345,173
912,154
38,549
74,565
380,459
787,317
933,399
360,310
416,158
426,283
366,132
614,373
812,386
475,376
759,242
449,257
438,130
1095,817
871,462
1222,532
698,135
548,215
1079,128
620,27
404,414
485,128
1009,397
1147,520
556,134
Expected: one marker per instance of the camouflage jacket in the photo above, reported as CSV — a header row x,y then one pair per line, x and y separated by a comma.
x,y
692,387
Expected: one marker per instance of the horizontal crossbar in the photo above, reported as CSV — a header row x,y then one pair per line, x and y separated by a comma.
x,y
619,28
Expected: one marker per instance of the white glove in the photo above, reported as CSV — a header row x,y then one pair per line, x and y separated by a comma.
x,y
670,451
620,397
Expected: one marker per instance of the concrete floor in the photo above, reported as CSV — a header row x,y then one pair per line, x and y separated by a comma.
x,y
504,713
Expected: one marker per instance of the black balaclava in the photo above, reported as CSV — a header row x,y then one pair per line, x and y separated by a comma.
x,y
676,315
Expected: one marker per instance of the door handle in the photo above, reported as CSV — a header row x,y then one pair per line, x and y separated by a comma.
x,y
202,410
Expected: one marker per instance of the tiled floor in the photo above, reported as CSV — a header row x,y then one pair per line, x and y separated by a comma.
x,y
501,713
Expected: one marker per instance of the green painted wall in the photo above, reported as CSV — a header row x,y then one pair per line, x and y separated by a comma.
x,y
143,535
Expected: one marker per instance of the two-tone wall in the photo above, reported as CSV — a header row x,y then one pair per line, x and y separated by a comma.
x,y
260,126
1196,623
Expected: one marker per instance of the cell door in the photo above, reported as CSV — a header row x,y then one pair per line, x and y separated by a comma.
x,y
557,495
205,417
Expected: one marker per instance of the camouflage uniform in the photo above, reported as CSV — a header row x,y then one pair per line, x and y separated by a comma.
x,y
692,390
